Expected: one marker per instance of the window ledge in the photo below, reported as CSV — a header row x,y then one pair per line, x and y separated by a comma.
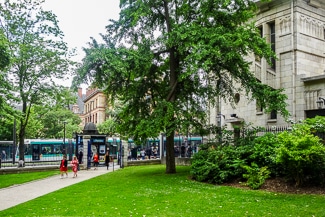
x,y
271,120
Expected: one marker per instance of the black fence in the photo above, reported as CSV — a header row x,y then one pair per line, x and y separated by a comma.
x,y
272,129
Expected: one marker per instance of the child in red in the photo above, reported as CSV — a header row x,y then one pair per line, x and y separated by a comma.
x,y
64,166
74,164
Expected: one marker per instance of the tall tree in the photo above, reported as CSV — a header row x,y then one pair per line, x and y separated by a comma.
x,y
38,55
6,112
167,59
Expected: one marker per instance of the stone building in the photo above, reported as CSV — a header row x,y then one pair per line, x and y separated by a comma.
x,y
296,31
95,105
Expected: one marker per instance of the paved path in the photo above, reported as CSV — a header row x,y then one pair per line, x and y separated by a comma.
x,y
17,194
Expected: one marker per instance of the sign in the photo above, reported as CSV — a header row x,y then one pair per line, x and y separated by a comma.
x,y
98,140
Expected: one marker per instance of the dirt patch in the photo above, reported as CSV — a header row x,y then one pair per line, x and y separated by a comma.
x,y
280,185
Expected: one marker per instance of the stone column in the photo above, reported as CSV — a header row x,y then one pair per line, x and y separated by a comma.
x,y
125,153
85,159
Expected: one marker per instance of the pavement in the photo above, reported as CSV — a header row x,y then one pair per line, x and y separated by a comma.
x,y
21,193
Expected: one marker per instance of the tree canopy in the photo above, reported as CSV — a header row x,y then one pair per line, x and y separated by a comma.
x,y
168,60
38,55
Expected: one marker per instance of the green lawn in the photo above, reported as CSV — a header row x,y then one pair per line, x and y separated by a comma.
x,y
19,178
148,191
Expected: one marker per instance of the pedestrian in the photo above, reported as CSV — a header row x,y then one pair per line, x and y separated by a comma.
x,y
142,154
96,161
107,159
80,157
3,155
189,151
64,166
149,152
155,152
74,164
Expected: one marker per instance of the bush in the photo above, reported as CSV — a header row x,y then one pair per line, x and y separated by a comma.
x,y
256,176
298,155
302,155
264,153
217,164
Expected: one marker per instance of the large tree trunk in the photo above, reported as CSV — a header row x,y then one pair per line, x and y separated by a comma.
x,y
22,131
173,66
21,142
170,154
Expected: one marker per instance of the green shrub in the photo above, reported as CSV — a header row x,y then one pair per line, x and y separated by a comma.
x,y
302,155
217,164
255,176
264,153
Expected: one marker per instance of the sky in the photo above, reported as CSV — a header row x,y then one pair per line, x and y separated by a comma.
x,y
81,19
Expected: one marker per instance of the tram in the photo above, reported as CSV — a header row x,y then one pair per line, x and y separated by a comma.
x,y
39,149
184,146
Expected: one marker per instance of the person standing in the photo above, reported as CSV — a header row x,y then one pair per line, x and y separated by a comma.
x,y
74,164
64,166
107,159
80,157
3,155
155,152
96,161
142,154
149,152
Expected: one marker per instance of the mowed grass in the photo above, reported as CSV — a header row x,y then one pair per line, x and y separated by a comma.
x,y
8,180
148,191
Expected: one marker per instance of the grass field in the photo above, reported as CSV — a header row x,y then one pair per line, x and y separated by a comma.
x,y
147,191
16,179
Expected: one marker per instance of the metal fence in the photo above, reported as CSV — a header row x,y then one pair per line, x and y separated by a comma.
x,y
276,129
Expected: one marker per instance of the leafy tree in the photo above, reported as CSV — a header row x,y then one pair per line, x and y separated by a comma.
x,y
38,55
108,127
53,122
167,61
4,51
4,85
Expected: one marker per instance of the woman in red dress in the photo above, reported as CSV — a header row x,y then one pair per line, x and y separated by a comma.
x,y
64,166
74,164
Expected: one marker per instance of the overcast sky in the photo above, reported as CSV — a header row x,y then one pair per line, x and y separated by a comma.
x,y
81,19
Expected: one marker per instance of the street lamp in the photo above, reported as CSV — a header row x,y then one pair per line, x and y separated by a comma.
x,y
320,102
219,120
64,149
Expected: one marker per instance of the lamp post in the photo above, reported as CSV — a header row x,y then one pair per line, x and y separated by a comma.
x,y
320,102
219,120
64,148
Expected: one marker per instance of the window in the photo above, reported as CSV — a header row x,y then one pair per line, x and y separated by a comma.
x,y
237,98
258,58
272,42
273,115
259,108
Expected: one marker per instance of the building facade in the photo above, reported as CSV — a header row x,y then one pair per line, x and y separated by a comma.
x,y
296,31
94,107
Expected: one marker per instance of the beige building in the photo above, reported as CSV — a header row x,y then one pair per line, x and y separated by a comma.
x,y
296,31
94,107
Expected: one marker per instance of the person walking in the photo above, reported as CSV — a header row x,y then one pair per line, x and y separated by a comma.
x,y
96,161
64,166
74,164
107,159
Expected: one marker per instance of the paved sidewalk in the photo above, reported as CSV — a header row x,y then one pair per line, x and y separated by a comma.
x,y
17,194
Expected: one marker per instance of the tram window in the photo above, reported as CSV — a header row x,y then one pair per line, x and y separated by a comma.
x,y
57,149
46,149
